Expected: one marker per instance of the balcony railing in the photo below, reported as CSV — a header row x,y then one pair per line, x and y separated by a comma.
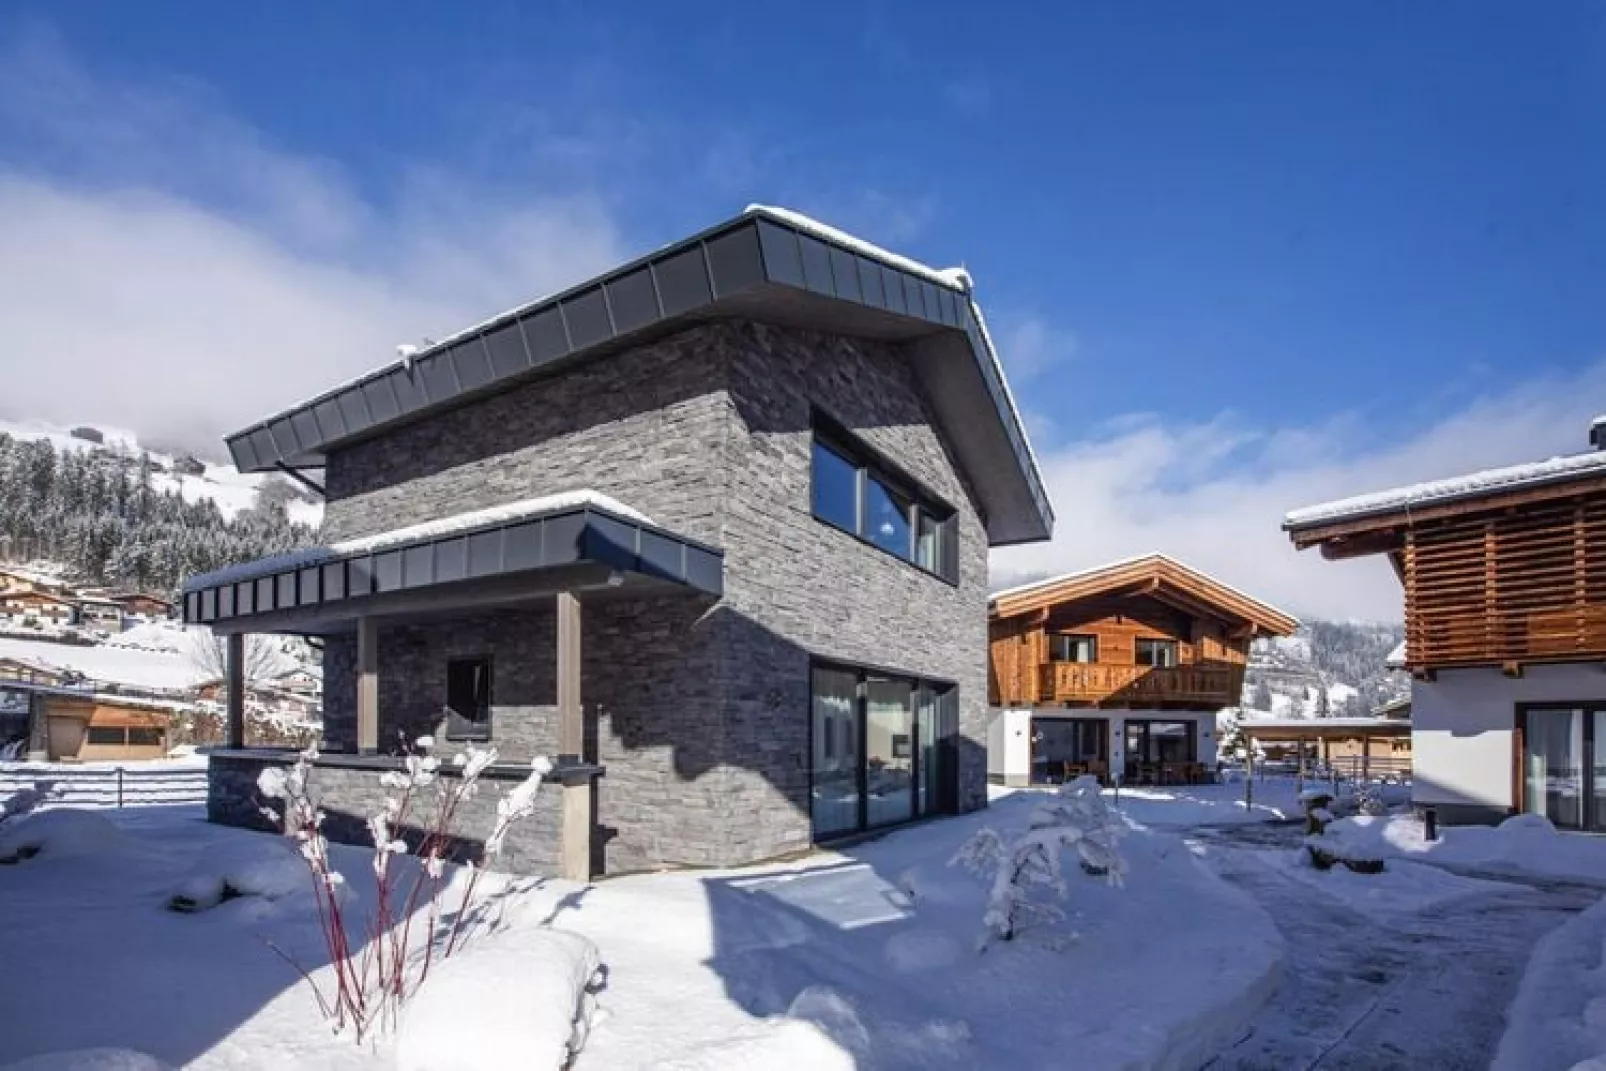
x,y
1092,682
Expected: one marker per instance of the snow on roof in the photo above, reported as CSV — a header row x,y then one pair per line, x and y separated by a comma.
x,y
1472,485
1396,658
953,278
440,526
509,511
167,670
1134,560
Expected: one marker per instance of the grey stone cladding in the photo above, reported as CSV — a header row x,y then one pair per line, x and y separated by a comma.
x,y
700,707
349,796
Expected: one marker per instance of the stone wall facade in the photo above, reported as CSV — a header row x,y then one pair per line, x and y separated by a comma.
x,y
700,708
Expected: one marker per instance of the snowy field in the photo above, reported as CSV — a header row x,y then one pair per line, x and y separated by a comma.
x,y
866,958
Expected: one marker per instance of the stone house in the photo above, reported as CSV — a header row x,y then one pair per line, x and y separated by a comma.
x,y
711,530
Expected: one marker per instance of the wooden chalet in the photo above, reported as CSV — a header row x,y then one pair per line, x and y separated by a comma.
x,y
1117,671
1504,577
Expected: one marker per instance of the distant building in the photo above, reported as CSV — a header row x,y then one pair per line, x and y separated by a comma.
x,y
141,604
20,608
65,724
99,612
19,578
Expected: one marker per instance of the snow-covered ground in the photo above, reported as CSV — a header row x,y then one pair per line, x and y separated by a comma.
x,y
1412,967
865,958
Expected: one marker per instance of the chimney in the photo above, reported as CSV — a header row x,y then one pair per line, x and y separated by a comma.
x,y
1597,432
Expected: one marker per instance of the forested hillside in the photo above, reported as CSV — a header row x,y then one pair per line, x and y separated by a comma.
x,y
104,512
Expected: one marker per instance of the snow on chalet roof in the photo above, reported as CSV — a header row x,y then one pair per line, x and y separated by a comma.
x,y
1134,560
441,526
1396,657
1434,492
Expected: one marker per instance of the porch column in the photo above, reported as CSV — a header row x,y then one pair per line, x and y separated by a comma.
x,y
575,855
367,685
234,683
1366,758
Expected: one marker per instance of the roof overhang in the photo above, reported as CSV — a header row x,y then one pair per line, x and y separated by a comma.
x,y
1324,728
1156,576
578,549
762,265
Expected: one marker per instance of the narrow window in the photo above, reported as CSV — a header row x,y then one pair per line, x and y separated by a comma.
x,y
106,737
468,699
1067,647
886,518
836,488
927,541
1161,654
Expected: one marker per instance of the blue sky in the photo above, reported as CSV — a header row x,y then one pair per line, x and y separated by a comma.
x,y
1238,255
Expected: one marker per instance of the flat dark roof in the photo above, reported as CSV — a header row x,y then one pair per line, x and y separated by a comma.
x,y
761,265
308,590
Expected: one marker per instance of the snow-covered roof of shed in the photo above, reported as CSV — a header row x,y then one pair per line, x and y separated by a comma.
x,y
1456,488
1396,657
1318,724
413,533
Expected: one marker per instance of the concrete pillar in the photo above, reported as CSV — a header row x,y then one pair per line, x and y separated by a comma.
x,y
367,685
575,861
1366,758
234,684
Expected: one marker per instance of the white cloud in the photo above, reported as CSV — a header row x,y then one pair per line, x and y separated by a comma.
x,y
1213,492
166,268
1030,345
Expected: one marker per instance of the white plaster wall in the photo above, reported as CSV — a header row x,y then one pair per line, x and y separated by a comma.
x,y
1462,727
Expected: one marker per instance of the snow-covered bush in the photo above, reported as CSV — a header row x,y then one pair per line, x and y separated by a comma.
x,y
1027,882
372,982
258,866
1329,844
59,833
1369,800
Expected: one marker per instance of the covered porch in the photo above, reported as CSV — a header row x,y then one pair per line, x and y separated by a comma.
x,y
470,629
1359,748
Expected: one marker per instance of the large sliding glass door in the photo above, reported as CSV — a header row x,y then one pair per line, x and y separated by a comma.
x,y
882,750
1563,775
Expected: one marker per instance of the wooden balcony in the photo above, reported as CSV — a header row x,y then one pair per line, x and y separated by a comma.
x,y
1137,685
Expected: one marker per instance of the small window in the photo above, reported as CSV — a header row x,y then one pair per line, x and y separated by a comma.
x,y
886,518
145,737
836,488
928,537
105,736
468,699
1065,647
1161,654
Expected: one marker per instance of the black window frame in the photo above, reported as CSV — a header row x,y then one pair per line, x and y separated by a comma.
x,y
477,730
1170,644
944,697
922,505
1093,647
111,736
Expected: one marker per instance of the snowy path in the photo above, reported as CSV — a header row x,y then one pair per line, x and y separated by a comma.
x,y
1369,989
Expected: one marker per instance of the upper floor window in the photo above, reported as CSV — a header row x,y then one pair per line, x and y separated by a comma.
x,y
1065,647
855,491
1161,654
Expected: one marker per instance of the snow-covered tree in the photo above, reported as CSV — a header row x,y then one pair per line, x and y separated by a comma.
x,y
209,654
1027,883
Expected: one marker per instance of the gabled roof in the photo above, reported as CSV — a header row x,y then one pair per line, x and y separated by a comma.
x,y
1491,484
1156,575
766,264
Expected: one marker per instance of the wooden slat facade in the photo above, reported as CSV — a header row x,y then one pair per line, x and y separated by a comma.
x,y
1504,588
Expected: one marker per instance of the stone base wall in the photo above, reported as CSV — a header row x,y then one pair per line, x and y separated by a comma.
x,y
350,795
